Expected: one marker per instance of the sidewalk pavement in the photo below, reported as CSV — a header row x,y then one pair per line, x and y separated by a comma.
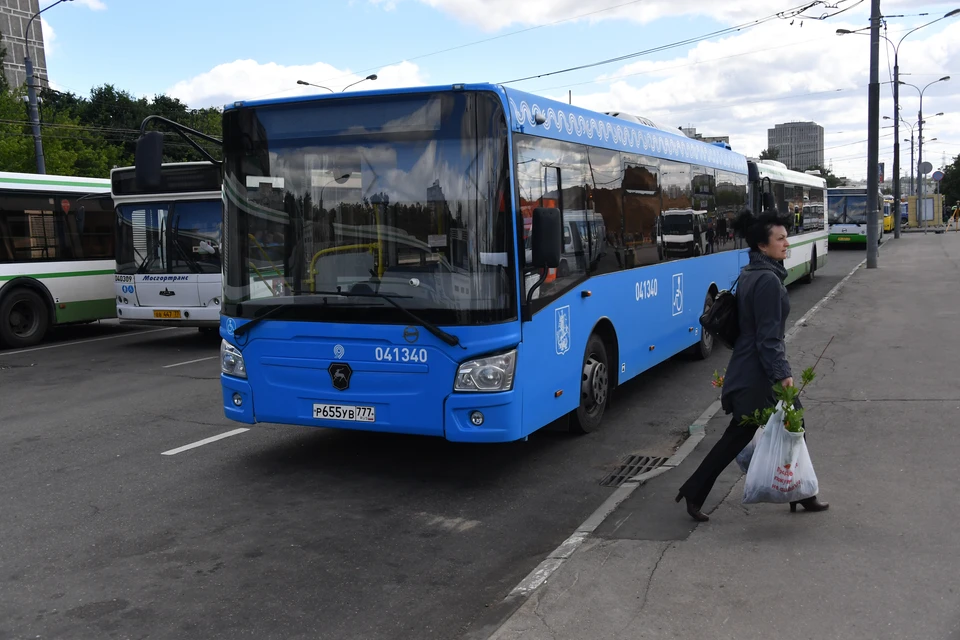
x,y
883,425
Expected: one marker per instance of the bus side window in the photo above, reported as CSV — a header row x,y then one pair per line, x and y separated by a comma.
x,y
642,235
606,210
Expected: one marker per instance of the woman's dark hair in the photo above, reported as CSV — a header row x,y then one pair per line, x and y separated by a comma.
x,y
756,229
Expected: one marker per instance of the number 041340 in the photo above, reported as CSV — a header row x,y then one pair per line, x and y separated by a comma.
x,y
400,354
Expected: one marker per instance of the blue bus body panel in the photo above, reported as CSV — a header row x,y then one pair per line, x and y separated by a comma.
x,y
649,328
288,365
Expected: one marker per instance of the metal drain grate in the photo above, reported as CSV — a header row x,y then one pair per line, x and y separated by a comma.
x,y
632,466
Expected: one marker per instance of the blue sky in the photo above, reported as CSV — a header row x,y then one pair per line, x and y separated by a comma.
x,y
209,52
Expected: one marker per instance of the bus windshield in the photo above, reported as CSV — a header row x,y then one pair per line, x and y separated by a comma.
x,y
848,209
169,237
404,196
678,224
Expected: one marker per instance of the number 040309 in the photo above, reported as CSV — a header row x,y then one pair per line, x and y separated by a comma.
x,y
646,289
400,354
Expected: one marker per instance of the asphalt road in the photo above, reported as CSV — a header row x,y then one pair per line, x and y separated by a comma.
x,y
280,532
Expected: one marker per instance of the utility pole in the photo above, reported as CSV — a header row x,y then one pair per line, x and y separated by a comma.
x,y
873,142
896,144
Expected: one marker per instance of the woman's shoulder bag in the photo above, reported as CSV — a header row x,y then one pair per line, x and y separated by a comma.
x,y
722,320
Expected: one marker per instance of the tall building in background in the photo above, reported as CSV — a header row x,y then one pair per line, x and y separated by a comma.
x,y
14,16
800,144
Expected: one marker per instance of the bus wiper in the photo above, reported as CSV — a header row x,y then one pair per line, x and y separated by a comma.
x,y
450,339
176,242
272,311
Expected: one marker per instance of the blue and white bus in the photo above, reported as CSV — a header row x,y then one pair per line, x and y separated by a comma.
x,y
392,259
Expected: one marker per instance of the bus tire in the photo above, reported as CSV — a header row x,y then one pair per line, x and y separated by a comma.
x,y
812,273
703,349
24,319
594,387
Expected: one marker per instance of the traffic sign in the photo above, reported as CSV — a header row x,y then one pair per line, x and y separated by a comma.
x,y
937,175
925,167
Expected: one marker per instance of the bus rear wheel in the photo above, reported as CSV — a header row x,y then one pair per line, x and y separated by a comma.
x,y
23,319
594,387
703,349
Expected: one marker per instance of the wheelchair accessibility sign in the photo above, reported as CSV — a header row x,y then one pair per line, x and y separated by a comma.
x,y
677,294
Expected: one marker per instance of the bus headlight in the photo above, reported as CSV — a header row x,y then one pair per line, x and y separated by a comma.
x,y
493,373
231,360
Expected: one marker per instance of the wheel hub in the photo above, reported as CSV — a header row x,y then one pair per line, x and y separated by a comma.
x,y
595,383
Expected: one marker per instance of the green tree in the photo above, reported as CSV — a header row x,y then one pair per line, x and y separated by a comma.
x,y
770,153
832,180
950,185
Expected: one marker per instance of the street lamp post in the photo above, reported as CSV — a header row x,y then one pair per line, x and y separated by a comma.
x,y
920,173
32,91
372,76
310,84
896,109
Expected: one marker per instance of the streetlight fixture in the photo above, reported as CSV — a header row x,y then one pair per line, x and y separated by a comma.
x,y
32,90
372,76
310,84
920,172
896,104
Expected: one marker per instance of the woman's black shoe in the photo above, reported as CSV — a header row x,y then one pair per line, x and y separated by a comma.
x,y
810,504
694,510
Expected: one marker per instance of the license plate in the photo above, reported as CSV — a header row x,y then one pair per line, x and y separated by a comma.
x,y
166,315
346,413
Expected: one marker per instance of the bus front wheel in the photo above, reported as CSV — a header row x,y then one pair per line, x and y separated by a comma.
x,y
594,387
23,319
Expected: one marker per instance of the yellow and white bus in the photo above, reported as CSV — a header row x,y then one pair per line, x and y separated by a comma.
x,y
56,254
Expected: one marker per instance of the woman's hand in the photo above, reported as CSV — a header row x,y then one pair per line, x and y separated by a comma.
x,y
786,382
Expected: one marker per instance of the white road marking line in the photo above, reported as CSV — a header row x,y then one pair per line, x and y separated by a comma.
x,y
200,443
70,344
180,364
536,578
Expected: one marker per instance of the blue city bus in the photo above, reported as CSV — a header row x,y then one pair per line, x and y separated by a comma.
x,y
469,261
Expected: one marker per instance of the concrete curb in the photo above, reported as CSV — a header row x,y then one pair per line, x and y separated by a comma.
x,y
697,431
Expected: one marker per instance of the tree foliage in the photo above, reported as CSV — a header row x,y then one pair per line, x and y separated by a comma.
x,y
771,153
88,136
950,185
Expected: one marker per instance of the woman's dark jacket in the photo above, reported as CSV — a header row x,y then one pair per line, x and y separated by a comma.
x,y
759,354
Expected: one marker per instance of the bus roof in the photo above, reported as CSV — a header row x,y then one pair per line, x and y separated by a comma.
x,y
779,173
52,183
561,122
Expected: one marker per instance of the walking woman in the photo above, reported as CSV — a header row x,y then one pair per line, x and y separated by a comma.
x,y
759,356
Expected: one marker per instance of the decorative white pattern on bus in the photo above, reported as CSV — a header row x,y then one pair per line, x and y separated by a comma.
x,y
633,138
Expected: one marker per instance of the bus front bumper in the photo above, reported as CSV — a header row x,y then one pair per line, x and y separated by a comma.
x,y
476,417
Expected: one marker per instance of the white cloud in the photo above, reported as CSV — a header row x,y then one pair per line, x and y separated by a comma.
x,y
249,79
491,15
93,5
49,37
743,85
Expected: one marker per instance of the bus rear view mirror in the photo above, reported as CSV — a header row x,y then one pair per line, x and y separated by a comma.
x,y
148,158
547,237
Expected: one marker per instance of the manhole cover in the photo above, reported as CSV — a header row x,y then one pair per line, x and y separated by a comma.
x,y
632,466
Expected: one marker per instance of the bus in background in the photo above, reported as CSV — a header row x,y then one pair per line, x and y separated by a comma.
x,y
799,196
847,215
168,269
56,254
435,320
888,213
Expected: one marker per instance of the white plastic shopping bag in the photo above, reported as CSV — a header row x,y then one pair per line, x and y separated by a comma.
x,y
780,470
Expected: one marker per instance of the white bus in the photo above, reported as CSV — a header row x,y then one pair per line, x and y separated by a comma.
x,y
56,254
168,246
847,207
801,197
